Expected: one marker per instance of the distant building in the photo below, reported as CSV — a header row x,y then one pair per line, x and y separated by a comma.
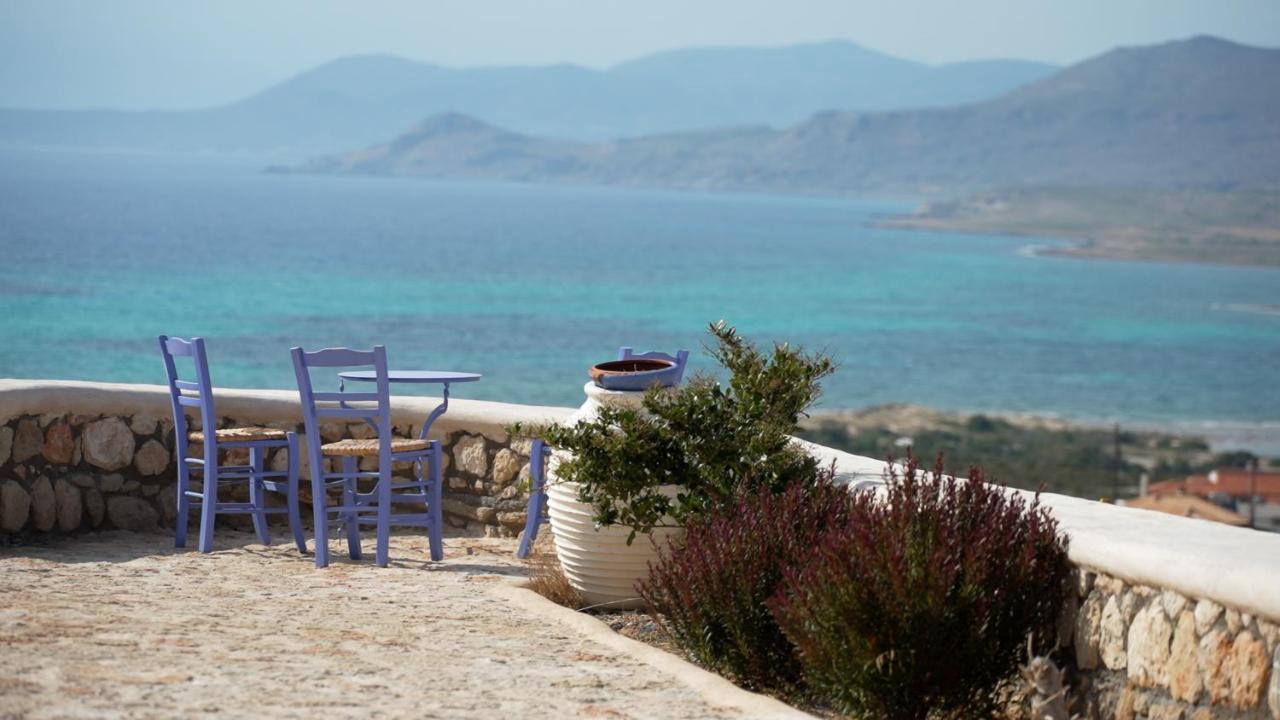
x,y
1227,488
1190,506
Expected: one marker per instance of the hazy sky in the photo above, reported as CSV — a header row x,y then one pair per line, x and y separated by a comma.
x,y
186,53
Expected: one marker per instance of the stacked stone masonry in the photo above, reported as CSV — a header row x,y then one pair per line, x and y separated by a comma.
x,y
1143,652
64,474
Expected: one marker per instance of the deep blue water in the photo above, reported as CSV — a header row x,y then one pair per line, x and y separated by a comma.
x,y
531,284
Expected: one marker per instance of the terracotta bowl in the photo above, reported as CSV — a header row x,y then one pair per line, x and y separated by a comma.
x,y
634,374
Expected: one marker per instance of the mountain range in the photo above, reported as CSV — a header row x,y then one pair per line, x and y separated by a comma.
x,y
360,100
1202,112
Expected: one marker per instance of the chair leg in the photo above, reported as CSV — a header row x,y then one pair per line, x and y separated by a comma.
x,y
257,495
351,519
435,528
423,478
384,513
295,516
208,504
320,513
534,511
184,503
536,506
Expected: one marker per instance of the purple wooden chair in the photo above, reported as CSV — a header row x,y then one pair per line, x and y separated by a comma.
x,y
374,507
536,509
681,358
258,440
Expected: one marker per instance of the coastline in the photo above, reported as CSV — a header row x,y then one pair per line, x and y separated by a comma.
x,y
1240,227
1260,437
1083,247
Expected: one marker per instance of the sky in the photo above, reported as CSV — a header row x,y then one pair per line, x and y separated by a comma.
x,y
174,54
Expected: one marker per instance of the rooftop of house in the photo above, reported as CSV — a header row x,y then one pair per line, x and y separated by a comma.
x,y
1235,482
1190,506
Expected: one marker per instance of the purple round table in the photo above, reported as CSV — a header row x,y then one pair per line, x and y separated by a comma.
x,y
439,377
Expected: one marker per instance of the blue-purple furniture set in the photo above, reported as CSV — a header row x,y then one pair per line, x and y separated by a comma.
x,y
390,501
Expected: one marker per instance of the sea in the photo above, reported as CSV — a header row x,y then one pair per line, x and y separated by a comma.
x,y
531,284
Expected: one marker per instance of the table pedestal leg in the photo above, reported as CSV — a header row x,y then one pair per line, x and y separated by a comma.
x,y
440,410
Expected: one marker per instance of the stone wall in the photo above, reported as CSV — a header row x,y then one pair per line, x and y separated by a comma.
x,y
1146,652
75,473
72,470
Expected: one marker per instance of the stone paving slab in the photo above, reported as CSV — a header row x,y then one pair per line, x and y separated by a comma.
x,y
122,625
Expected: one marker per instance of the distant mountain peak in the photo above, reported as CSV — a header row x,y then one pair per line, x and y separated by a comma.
x,y
448,123
1205,46
363,63
1200,74
363,58
1204,40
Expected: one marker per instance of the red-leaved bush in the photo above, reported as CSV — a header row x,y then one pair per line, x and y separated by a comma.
x,y
711,592
918,603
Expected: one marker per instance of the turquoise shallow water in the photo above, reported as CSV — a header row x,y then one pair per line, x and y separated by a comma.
x,y
531,284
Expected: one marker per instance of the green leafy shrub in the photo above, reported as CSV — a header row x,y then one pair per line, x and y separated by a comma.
x,y
710,593
920,604
712,440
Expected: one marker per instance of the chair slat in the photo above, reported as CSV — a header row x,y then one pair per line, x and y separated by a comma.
x,y
179,347
424,520
188,401
338,477
347,412
245,508
339,357
187,385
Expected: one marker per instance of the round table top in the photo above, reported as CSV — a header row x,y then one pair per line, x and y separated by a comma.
x,y
412,376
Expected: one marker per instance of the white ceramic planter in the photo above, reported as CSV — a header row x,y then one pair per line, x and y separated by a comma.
x,y
597,561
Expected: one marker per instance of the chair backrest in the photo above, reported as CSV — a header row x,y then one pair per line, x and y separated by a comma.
x,y
681,358
194,393
318,406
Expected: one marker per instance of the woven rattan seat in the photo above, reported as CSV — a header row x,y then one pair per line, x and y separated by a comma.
x,y
243,434
364,448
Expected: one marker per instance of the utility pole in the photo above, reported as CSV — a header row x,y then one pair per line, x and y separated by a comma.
x,y
1115,467
1253,491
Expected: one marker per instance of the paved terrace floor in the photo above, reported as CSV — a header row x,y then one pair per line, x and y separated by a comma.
x,y
122,625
